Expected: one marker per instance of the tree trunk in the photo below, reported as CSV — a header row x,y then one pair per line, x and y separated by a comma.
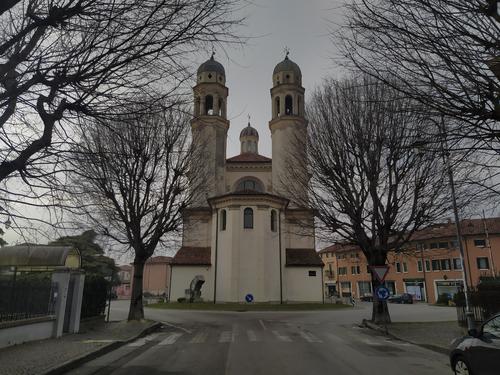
x,y
136,311
380,311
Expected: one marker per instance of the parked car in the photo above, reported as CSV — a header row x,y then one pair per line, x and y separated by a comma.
x,y
367,297
401,298
478,353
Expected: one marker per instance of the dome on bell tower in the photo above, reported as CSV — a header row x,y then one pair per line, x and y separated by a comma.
x,y
287,72
211,71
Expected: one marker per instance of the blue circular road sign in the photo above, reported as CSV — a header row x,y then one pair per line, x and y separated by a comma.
x,y
249,298
382,293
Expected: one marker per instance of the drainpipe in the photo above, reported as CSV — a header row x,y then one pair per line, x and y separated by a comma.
x,y
422,260
216,247
279,242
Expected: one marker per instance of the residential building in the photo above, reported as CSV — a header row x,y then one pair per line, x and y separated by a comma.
x,y
428,266
155,278
245,235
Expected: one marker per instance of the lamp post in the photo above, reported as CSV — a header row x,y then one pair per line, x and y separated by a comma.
x,y
449,170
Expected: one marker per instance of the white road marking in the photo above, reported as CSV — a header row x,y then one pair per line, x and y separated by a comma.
x,y
176,327
309,337
226,336
144,340
199,338
251,336
281,337
171,339
262,324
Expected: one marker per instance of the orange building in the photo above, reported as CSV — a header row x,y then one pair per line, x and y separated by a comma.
x,y
155,278
427,267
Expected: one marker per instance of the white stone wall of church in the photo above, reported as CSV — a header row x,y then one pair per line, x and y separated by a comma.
x,y
248,259
300,287
299,236
197,233
233,176
284,141
182,277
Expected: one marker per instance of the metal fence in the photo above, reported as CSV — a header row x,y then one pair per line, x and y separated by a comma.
x,y
26,296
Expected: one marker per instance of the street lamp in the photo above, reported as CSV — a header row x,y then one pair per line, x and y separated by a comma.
x,y
444,148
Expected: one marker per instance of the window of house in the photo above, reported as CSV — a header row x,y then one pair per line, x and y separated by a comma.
x,y
443,245
419,266
405,267
330,271
457,264
342,271
445,264
368,269
398,267
312,273
454,244
482,263
434,245
223,220
248,218
355,270
436,266
480,243
427,265
274,222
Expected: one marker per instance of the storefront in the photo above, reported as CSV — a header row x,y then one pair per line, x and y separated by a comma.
x,y
415,287
449,287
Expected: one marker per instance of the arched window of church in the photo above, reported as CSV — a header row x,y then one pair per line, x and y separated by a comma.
x,y
209,105
274,221
250,184
248,218
223,220
277,105
288,105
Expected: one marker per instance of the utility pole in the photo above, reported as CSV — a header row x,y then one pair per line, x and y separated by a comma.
x,y
444,147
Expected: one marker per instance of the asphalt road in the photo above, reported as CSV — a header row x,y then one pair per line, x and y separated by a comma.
x,y
251,343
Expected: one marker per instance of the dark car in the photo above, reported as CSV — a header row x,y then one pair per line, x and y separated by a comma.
x,y
401,298
478,353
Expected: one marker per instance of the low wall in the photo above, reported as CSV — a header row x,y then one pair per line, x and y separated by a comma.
x,y
17,332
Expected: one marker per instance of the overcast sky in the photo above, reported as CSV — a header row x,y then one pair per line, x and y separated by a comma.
x,y
302,27
271,25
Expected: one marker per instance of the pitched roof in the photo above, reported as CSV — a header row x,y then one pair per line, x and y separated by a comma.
x,y
339,247
197,256
469,227
248,157
160,259
303,257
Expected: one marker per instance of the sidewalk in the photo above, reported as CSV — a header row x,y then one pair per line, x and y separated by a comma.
x,y
46,356
433,335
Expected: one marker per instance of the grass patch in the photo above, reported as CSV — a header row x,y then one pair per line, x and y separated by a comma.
x,y
207,306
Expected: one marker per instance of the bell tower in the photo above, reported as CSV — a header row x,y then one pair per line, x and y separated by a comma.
x,y
288,131
209,127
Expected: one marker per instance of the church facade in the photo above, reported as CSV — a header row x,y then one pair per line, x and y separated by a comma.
x,y
245,235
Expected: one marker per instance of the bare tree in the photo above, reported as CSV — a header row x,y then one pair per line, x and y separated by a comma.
x,y
443,53
370,182
61,60
131,181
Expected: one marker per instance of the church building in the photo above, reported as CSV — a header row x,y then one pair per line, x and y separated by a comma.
x,y
245,235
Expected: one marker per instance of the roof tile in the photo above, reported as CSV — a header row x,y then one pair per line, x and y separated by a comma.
x,y
198,256
303,257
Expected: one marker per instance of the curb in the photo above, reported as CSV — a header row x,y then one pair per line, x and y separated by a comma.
x,y
78,361
384,331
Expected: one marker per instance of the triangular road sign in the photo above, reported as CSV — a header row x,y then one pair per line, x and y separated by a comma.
x,y
380,272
